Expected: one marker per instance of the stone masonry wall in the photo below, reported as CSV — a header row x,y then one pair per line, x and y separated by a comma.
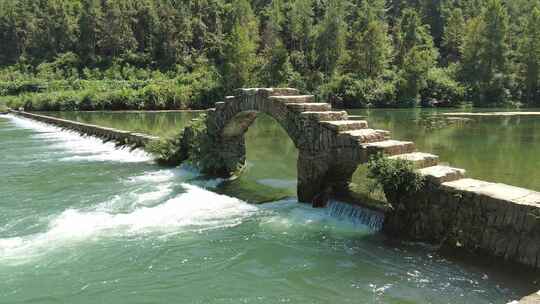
x,y
497,219
124,138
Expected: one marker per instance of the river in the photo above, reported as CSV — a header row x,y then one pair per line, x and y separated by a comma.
x,y
84,222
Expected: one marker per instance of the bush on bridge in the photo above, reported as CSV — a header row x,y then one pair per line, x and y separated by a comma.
x,y
192,145
397,177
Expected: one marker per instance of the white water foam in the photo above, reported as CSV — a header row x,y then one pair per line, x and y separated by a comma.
x,y
193,211
82,148
287,216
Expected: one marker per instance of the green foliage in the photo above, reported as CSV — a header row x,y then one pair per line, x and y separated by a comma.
x,y
240,51
335,48
442,88
331,34
351,92
485,55
192,145
529,59
169,151
396,177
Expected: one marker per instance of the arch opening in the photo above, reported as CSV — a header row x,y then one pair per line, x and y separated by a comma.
x,y
269,168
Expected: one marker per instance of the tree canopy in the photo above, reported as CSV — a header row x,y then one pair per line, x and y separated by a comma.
x,y
354,52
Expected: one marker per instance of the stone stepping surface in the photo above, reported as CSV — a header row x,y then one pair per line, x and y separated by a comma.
x,y
441,174
294,99
390,147
366,135
303,107
496,191
325,115
345,125
419,159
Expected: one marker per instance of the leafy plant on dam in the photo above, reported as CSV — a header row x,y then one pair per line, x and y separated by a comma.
x,y
192,145
397,177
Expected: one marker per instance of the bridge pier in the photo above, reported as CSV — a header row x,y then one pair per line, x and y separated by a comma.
x,y
313,171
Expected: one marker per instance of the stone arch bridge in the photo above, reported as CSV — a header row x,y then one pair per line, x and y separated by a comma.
x,y
497,219
330,145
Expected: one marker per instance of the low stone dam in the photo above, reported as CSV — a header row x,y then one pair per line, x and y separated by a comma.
x,y
121,137
452,210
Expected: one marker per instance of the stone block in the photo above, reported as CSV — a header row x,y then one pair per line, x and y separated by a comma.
x,y
293,99
324,115
311,107
442,174
345,125
390,147
419,159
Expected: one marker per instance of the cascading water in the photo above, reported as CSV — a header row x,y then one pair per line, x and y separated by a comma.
x,y
358,215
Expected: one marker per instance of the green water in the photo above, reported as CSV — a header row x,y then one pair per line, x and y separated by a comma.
x,y
83,222
497,149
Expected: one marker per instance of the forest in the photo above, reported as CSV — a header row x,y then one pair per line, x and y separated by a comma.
x,y
174,54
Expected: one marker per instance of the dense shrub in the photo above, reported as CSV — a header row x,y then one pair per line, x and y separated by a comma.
x,y
442,89
193,144
395,176
350,91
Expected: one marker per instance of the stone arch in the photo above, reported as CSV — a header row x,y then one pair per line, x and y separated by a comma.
x,y
330,146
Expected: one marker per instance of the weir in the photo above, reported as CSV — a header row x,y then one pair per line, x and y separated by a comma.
x,y
121,137
359,215
489,218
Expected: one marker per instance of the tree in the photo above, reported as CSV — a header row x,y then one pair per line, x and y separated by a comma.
x,y
371,46
415,56
411,33
51,31
10,48
240,51
453,35
485,55
89,24
529,58
145,25
331,35
117,34
173,34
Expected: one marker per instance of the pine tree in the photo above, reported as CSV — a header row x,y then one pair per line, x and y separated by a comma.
x,y
371,46
331,37
10,48
240,52
117,34
453,35
485,54
415,56
89,24
145,25
529,58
